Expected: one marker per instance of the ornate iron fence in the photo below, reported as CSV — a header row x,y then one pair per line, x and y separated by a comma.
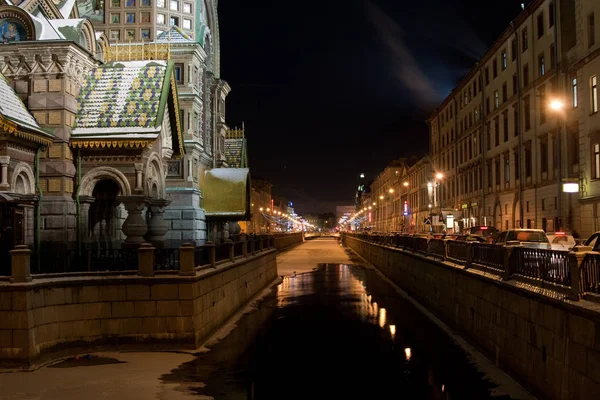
x,y
458,250
548,265
57,260
166,259
489,255
589,273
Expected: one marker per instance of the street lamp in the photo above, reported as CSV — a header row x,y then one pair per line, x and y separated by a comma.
x,y
557,106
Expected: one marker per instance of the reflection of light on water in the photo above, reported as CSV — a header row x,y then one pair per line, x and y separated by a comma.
x,y
408,353
393,330
375,308
443,387
382,317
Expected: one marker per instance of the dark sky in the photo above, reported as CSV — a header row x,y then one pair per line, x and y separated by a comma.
x,y
332,88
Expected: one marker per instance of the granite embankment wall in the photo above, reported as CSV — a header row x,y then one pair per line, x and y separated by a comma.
x,y
551,346
283,241
47,318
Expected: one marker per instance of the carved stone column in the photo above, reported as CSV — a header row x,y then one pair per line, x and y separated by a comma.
x,y
157,226
135,226
138,177
84,217
4,185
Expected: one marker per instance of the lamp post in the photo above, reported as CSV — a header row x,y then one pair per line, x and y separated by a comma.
x,y
390,219
557,106
405,209
438,188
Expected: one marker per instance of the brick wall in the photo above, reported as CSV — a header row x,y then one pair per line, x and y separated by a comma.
x,y
52,317
551,346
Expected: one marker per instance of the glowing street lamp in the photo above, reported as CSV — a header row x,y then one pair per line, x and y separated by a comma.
x,y
556,105
381,197
405,184
439,176
391,190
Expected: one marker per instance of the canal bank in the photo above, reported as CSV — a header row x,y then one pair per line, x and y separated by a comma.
x,y
548,344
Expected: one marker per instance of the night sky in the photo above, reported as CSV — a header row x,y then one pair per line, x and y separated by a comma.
x,y
333,88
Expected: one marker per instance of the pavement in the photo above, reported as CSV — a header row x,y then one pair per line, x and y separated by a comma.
x,y
141,375
306,256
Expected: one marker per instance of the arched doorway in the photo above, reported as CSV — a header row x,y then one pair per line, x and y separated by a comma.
x,y
104,221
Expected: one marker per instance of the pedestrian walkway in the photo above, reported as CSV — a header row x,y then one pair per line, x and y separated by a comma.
x,y
306,256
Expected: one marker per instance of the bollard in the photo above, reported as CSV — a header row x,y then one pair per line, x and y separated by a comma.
x,y
230,249
187,259
146,260
20,264
245,248
212,259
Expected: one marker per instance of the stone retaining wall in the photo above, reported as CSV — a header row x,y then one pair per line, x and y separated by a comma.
x,y
47,318
288,240
550,345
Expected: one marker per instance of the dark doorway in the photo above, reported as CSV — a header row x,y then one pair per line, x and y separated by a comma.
x,y
103,222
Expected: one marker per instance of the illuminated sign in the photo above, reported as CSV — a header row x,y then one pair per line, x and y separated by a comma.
x,y
405,207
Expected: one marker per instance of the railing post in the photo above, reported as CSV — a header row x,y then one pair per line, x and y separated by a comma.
x,y
252,246
212,257
20,258
446,249
575,259
230,249
508,250
146,260
187,262
245,248
469,255
260,244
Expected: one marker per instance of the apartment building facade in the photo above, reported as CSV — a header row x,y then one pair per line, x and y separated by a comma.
x,y
505,139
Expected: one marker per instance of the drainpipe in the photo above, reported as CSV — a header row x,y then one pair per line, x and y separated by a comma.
x,y
77,202
483,167
558,141
520,126
38,207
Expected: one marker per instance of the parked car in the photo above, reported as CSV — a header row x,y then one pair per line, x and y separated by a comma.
x,y
526,237
488,232
561,240
593,241
472,238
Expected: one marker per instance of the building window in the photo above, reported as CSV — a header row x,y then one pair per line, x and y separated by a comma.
x,y
476,115
160,19
596,160
187,8
551,15
487,105
504,92
524,39
497,130
487,76
552,56
525,75
130,18
527,110
544,155
542,65
513,49
495,68
574,91
516,166
174,21
489,135
506,168
496,99
179,72
497,165
174,5
187,23
543,104
573,145
515,84
591,30
528,161
516,119
594,93
160,3
505,125
540,25
504,60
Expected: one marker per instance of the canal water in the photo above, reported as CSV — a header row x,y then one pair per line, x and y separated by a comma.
x,y
339,332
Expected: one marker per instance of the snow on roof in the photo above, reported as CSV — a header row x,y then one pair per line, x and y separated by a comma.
x,y
66,7
233,175
44,29
70,29
12,108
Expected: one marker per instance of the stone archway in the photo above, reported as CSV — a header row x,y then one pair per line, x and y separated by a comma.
x,y
93,176
155,178
104,215
498,215
23,179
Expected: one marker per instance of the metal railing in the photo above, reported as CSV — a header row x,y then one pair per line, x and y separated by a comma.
x,y
489,255
56,260
547,265
166,259
589,273
457,250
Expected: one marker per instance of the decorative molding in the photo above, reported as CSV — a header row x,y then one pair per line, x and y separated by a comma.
x,y
91,178
101,144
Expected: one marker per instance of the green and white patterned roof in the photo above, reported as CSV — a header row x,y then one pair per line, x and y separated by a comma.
x,y
122,95
13,109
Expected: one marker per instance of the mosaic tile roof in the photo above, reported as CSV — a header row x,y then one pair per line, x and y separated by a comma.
x,y
12,108
122,95
174,35
235,153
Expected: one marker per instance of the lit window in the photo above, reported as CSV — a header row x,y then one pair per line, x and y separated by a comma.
x,y
496,99
596,160
174,5
174,21
542,64
504,59
187,23
594,91
574,85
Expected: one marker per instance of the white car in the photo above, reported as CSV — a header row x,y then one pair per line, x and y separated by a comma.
x,y
561,241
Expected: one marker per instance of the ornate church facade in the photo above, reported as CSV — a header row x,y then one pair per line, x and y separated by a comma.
x,y
104,142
